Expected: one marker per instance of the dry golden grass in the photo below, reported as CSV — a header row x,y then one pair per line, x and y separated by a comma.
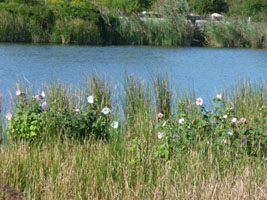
x,y
97,170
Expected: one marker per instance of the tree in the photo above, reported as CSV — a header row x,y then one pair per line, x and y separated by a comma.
x,y
208,6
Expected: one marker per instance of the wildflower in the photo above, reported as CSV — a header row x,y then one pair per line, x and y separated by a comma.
x,y
106,110
199,101
160,135
208,142
18,92
164,124
43,94
236,155
44,106
219,96
244,141
229,133
243,120
77,110
8,116
224,141
234,120
114,124
90,99
160,115
37,98
181,120
225,116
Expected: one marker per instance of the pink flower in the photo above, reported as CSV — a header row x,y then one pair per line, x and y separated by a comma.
x,y
44,106
37,98
160,115
77,110
243,120
18,92
160,135
8,116
225,116
234,120
219,96
199,101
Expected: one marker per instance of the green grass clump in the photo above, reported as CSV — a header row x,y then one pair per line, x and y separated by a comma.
x,y
235,34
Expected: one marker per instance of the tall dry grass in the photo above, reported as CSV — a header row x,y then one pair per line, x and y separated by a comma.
x,y
125,166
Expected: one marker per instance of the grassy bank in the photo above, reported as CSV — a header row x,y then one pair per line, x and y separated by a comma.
x,y
90,24
75,144
235,34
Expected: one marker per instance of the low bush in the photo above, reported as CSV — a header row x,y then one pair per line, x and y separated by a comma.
x,y
56,114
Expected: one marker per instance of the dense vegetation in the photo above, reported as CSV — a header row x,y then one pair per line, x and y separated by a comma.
x,y
87,22
75,144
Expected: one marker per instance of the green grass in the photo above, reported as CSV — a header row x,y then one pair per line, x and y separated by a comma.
x,y
235,34
127,165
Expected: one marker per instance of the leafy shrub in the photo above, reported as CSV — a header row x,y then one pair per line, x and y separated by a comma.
x,y
219,128
27,121
208,6
42,116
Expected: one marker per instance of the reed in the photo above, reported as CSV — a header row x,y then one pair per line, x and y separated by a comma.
x,y
235,34
190,161
97,170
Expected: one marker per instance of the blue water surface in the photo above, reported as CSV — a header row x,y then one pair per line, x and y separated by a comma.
x,y
206,70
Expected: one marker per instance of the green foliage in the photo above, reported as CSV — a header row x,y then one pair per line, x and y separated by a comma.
x,y
215,129
128,6
64,23
205,150
163,94
257,9
235,34
27,121
170,29
61,113
208,6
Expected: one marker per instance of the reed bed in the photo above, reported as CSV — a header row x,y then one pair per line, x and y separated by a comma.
x,y
235,34
183,153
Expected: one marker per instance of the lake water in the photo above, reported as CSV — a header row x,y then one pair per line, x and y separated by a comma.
x,y
205,70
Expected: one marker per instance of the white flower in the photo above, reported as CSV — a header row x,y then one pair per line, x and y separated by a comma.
x,y
208,142
229,133
106,110
199,101
43,94
181,120
224,141
234,120
160,135
90,99
225,116
219,96
114,124
164,124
